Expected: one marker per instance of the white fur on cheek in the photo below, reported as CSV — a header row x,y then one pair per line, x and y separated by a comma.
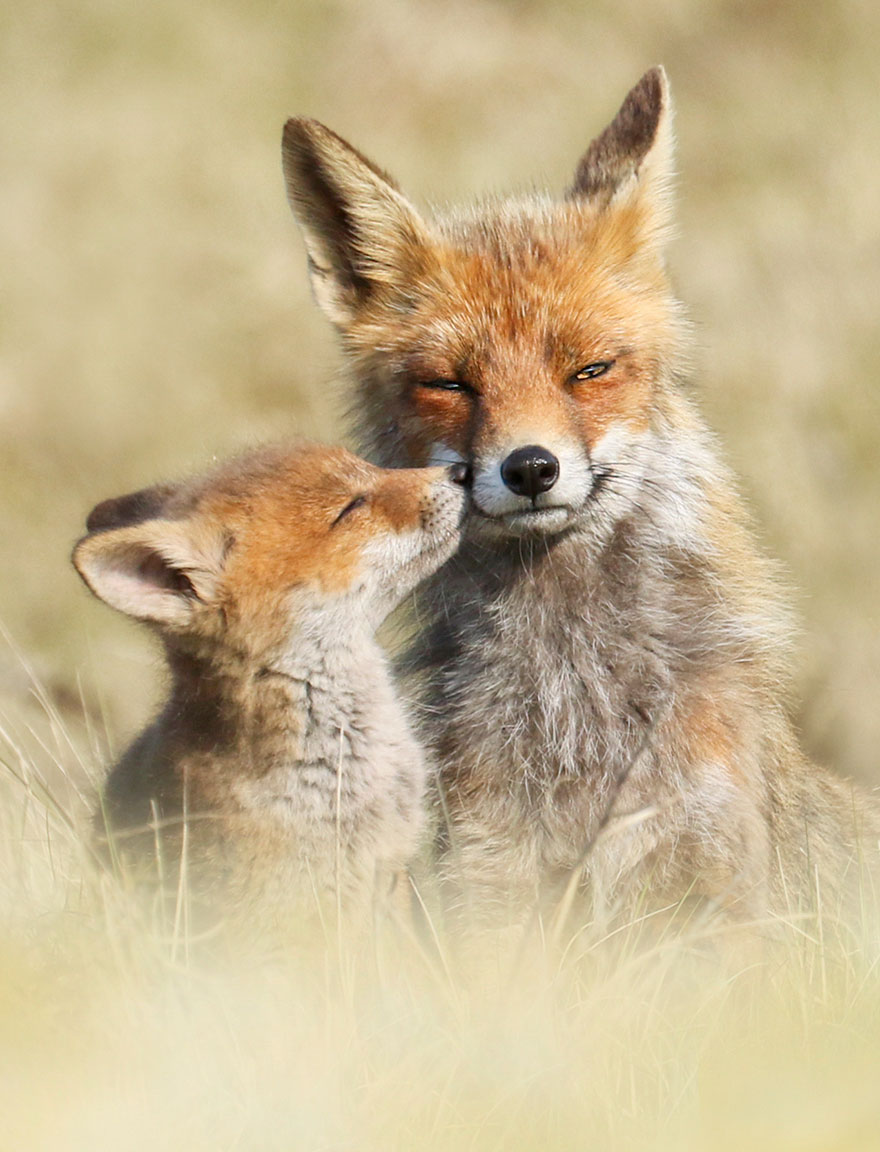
x,y
619,460
617,445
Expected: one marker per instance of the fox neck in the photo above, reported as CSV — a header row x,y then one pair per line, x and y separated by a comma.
x,y
260,713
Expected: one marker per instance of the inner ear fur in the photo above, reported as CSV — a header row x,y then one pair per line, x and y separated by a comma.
x,y
630,163
360,232
158,571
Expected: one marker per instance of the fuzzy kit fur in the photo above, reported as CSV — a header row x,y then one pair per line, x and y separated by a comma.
x,y
282,767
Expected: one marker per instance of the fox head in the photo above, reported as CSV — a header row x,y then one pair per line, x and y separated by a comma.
x,y
533,339
280,545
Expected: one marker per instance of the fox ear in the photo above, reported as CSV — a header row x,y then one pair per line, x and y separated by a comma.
x,y
632,159
158,571
361,233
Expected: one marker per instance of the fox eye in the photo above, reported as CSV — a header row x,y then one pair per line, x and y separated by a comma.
x,y
443,385
349,507
597,368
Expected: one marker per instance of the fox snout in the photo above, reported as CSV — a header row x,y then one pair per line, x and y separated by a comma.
x,y
530,471
398,561
531,487
443,504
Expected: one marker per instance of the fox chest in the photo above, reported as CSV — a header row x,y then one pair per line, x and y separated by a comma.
x,y
537,707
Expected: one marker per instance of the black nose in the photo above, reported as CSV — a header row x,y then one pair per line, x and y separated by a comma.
x,y
459,474
530,471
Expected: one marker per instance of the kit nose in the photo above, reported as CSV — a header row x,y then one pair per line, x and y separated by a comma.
x,y
530,471
460,474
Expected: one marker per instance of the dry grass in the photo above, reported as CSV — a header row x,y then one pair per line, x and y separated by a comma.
x,y
121,1028
155,311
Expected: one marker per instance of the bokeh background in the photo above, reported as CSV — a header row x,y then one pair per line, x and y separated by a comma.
x,y
154,306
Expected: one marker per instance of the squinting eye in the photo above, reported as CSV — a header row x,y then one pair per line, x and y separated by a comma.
x,y
599,368
442,385
349,507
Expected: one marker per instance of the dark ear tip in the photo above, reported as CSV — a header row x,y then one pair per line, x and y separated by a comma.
x,y
120,511
655,85
650,96
103,515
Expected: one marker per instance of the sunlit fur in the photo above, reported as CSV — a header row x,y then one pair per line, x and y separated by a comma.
x,y
618,646
282,747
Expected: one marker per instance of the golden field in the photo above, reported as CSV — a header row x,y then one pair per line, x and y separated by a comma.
x,y
155,312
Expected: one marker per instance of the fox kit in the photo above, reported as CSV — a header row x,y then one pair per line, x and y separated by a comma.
x,y
605,660
282,747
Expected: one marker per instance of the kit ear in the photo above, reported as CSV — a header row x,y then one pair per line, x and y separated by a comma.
x,y
361,233
630,164
156,571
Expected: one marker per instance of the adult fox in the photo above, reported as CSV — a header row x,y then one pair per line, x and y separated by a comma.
x,y
609,641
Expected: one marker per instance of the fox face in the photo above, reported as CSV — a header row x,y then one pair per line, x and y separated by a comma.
x,y
271,547
532,339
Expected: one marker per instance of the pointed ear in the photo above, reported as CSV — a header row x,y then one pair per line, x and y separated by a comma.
x,y
361,233
159,571
631,161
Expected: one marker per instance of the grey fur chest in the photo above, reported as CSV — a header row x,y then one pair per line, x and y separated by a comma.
x,y
550,669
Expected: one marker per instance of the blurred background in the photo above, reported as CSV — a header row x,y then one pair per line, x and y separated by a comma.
x,y
155,311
